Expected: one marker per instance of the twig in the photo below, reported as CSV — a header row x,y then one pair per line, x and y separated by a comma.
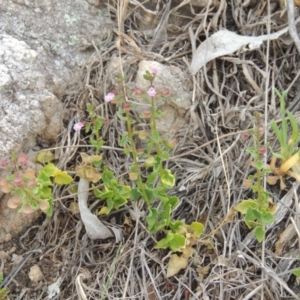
x,y
292,23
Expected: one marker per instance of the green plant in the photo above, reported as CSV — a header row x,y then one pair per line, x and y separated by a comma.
x,y
153,189
289,155
3,291
30,190
258,212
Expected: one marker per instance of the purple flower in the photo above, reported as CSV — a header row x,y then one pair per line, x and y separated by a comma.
x,y
151,92
78,126
154,70
109,97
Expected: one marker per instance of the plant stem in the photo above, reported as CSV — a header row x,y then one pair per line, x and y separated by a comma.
x,y
133,152
259,174
153,124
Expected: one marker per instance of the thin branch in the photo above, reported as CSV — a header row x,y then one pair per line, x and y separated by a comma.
x,y
292,23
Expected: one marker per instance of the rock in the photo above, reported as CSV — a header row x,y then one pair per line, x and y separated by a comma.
x,y
171,78
174,106
35,274
12,222
43,46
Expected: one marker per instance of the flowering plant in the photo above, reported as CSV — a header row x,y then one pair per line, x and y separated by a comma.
x,y
31,190
154,189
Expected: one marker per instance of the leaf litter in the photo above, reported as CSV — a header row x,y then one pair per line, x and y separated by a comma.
x,y
210,159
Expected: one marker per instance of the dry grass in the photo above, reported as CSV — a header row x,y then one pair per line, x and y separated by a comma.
x,y
210,161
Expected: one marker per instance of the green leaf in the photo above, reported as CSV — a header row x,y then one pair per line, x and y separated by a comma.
x,y
157,163
267,218
164,243
124,140
87,127
165,216
173,201
149,147
159,113
93,141
97,164
148,76
151,178
164,198
152,219
172,241
97,143
166,145
278,133
97,192
50,170
62,177
245,205
253,213
296,272
155,136
175,226
127,151
104,195
124,190
121,117
160,225
149,162
110,205
135,194
252,216
104,211
167,178
150,194
98,124
277,155
259,233
198,228
119,201
177,242
165,155
107,175
90,107
43,179
45,157
44,192
259,165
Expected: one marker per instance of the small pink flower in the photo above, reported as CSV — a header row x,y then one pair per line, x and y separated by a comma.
x,y
109,97
245,135
154,70
3,181
126,106
25,163
261,130
22,159
147,114
262,150
4,163
151,92
78,126
31,183
18,181
106,120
